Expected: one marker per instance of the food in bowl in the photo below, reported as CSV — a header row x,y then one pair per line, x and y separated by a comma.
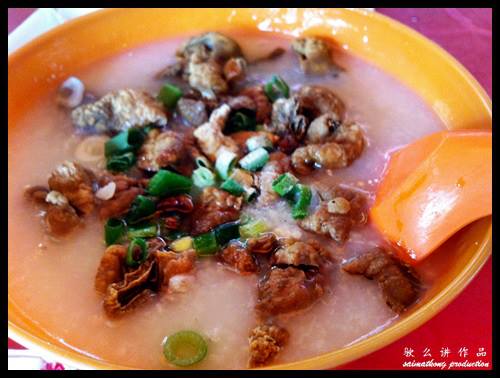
x,y
208,208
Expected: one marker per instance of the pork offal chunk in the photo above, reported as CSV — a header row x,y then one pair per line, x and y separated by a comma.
x,y
335,216
265,342
209,136
118,111
161,149
284,290
214,207
126,190
171,264
396,281
278,164
315,55
60,217
295,252
75,183
111,267
193,111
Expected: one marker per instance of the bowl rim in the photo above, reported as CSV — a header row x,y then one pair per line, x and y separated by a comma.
x,y
358,349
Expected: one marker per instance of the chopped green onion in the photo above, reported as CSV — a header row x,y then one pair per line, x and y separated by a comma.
x,y
141,207
126,141
259,141
185,348
226,232
182,244
233,187
240,121
114,229
169,95
253,229
136,245
147,230
168,183
205,244
255,159
284,184
301,199
120,163
276,88
202,161
225,162
203,177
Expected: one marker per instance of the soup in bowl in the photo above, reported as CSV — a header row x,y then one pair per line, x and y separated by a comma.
x,y
200,197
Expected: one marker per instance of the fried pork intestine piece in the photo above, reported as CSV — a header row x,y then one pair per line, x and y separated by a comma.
x,y
161,149
263,107
239,255
343,146
265,342
118,111
208,62
193,111
60,217
284,290
340,210
209,136
397,282
213,207
315,55
75,183
298,253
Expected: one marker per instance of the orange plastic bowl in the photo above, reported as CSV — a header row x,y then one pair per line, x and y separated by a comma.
x,y
438,78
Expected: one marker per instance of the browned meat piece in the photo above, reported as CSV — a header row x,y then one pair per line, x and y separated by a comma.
x,y
235,69
36,193
182,203
396,281
111,267
238,256
160,150
239,102
346,144
241,137
322,127
206,77
118,111
212,45
294,252
135,288
192,111
214,207
266,341
262,244
60,217
171,264
263,106
337,215
316,100
285,290
75,183
278,164
315,55
209,136
126,190
287,119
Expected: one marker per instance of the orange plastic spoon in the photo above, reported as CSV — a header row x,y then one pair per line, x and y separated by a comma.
x,y
432,188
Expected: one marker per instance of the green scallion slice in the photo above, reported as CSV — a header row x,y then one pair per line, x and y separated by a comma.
x,y
203,177
146,230
301,197
259,141
225,162
202,161
240,121
126,141
141,207
284,184
169,95
255,159
276,88
114,229
137,252
205,244
166,182
120,163
227,232
185,348
233,187
253,229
